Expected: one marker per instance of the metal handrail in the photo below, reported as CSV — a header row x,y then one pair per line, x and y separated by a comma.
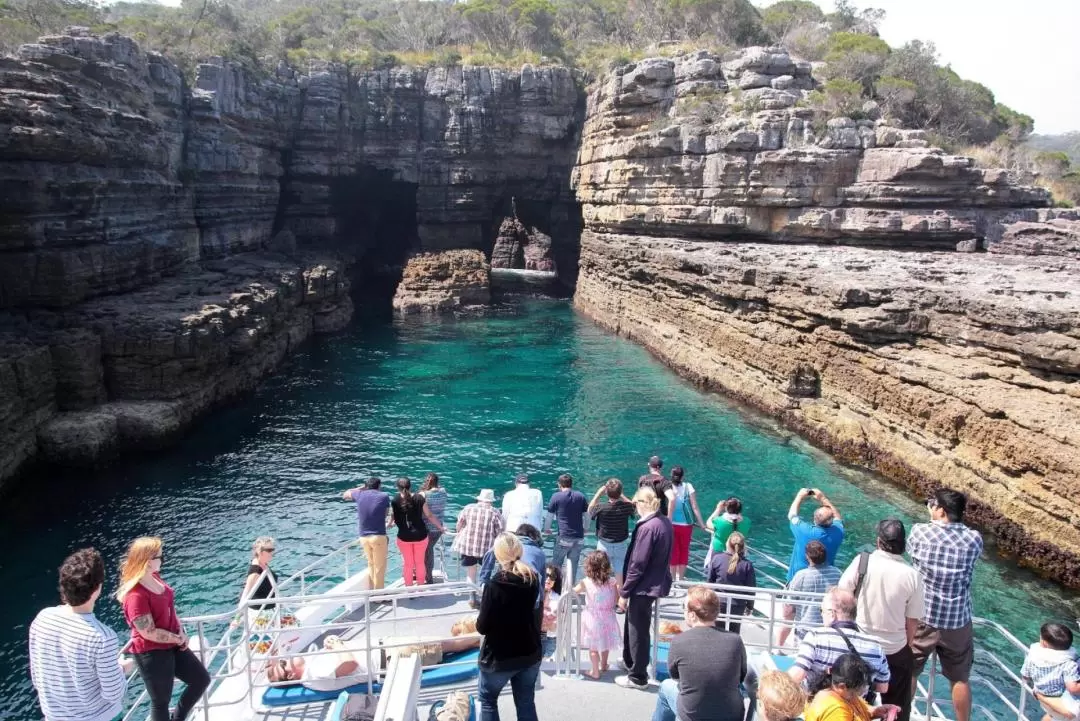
x,y
568,645
225,644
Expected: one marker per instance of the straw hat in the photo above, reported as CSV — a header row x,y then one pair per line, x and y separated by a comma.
x,y
486,496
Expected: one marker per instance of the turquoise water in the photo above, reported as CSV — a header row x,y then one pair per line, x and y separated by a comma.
x,y
530,387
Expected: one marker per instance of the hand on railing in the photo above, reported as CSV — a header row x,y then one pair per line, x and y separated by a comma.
x,y
127,664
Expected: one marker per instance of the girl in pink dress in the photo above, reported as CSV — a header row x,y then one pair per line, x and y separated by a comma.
x,y
599,628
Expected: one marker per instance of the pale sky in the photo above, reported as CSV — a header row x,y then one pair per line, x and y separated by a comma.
x,y
1027,52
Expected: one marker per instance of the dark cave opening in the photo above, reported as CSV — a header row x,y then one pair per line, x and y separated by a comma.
x,y
375,217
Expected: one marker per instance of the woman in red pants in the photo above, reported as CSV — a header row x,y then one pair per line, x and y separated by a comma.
x,y
412,518
683,511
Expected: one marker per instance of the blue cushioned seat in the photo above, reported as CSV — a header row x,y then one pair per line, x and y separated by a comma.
x,y
437,676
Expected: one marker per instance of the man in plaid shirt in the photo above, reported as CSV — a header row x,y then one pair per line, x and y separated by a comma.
x,y
944,552
478,524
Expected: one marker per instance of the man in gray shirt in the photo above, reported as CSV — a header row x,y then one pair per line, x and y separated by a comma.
x,y
706,667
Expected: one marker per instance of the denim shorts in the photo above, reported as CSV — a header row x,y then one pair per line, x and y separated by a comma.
x,y
616,552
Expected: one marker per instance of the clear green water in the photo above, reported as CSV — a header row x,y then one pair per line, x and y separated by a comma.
x,y
531,387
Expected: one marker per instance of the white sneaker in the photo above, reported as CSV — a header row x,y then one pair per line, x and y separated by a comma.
x,y
627,682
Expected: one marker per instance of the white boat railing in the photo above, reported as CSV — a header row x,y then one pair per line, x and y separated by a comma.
x,y
768,616
233,653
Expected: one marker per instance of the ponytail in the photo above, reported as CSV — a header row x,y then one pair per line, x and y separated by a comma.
x,y
736,545
404,486
508,552
677,475
522,570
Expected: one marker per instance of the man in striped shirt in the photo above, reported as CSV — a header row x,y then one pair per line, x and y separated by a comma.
x,y
821,647
75,662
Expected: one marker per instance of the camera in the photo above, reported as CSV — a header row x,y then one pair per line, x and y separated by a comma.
x,y
808,491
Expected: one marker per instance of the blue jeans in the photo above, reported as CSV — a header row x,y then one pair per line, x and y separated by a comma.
x,y
568,548
616,553
749,689
667,708
667,701
522,683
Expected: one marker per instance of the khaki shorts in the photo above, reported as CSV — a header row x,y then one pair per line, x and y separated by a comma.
x,y
955,648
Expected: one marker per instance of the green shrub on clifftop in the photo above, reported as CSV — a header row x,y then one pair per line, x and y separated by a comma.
x,y
838,98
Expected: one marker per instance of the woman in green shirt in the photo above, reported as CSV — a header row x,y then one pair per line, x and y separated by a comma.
x,y
725,520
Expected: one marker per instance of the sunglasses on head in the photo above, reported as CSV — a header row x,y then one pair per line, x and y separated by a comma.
x,y
931,503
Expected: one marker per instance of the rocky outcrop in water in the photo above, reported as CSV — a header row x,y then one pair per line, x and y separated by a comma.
x,y
164,245
518,247
933,367
445,281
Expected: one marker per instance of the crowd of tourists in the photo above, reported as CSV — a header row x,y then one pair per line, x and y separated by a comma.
x,y
866,642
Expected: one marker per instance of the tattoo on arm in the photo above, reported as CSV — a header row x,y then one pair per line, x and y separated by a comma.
x,y
145,626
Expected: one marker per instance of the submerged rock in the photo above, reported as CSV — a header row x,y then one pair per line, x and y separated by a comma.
x,y
441,282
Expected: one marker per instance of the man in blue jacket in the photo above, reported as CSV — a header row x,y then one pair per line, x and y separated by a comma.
x,y
646,579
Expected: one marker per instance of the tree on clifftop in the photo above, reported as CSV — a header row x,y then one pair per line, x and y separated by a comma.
x,y
783,17
512,25
23,21
959,111
856,57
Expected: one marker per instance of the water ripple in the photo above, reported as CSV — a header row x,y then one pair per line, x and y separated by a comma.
x,y
532,387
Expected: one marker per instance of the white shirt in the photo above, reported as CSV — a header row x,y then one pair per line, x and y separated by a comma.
x,y
75,666
892,592
523,505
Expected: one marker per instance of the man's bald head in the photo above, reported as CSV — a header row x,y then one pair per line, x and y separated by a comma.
x,y
824,516
843,603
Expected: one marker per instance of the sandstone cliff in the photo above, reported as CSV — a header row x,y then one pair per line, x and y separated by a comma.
x,y
164,245
719,225
443,281
698,147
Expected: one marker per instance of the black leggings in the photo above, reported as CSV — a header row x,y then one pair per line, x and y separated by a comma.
x,y
159,668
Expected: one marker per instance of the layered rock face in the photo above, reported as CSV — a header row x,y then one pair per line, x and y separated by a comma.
x,y
465,143
164,245
699,147
933,367
930,368
444,281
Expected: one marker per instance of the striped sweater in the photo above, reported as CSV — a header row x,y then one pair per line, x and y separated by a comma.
x,y
75,667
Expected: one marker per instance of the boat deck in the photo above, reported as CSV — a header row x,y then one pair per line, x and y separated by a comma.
x,y
556,697
325,601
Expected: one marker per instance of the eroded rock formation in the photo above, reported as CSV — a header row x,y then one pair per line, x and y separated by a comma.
x,y
518,247
444,281
699,147
163,246
933,367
